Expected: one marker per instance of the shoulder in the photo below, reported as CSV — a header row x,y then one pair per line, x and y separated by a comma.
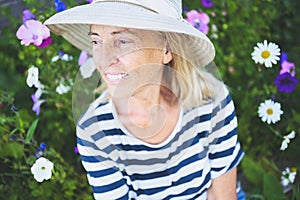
x,y
95,112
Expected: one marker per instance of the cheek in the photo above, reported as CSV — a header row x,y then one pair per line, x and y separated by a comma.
x,y
96,61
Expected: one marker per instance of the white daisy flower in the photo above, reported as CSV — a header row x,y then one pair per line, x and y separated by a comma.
x,y
42,169
286,140
288,176
265,53
270,111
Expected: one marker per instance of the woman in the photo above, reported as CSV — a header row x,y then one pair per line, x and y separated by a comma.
x,y
163,127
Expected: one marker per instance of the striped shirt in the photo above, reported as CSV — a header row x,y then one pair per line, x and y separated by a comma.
x,y
202,147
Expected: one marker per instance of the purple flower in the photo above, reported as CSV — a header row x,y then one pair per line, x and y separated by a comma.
x,y
46,42
59,5
198,20
27,15
207,3
89,1
76,149
283,57
33,31
185,9
285,82
82,58
37,101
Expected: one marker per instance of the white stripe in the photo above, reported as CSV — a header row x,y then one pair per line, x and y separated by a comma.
x,y
117,193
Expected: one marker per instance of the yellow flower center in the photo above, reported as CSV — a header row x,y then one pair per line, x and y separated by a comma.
x,y
43,168
269,111
293,169
265,54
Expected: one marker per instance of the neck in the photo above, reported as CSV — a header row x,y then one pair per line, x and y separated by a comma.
x,y
141,101
148,95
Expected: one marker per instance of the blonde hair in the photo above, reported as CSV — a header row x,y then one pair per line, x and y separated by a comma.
x,y
192,84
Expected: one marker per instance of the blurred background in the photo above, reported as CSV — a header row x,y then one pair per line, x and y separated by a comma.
x,y
48,130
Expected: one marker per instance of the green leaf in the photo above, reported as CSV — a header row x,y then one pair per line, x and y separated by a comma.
x,y
30,131
12,149
272,188
252,170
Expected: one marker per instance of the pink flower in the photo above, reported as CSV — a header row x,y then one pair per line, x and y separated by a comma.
x,y
82,58
289,67
198,20
33,31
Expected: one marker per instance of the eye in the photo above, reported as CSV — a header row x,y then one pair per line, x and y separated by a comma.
x,y
96,41
122,42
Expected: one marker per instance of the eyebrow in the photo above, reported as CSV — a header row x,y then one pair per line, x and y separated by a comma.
x,y
118,32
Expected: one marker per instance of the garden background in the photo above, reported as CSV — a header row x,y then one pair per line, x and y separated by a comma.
x,y
235,27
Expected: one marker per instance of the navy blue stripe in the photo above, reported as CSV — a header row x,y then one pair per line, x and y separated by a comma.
x,y
193,190
182,180
221,154
110,132
85,143
224,138
217,169
184,129
188,178
98,135
125,197
153,161
171,170
223,122
115,131
236,159
228,136
233,164
108,187
94,119
187,144
102,104
221,105
93,159
101,173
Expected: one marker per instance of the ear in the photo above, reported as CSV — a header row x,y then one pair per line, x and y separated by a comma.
x,y
167,57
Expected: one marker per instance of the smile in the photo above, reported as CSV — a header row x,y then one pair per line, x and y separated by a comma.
x,y
116,77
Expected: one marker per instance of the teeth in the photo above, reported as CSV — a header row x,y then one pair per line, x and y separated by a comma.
x,y
115,76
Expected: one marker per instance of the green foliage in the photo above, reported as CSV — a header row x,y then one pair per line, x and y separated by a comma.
x,y
272,188
240,25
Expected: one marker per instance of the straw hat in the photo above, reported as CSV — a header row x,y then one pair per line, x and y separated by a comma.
x,y
158,15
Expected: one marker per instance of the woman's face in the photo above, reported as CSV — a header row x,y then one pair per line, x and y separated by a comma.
x,y
128,58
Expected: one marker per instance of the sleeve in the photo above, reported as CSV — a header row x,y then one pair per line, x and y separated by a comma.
x,y
224,150
103,175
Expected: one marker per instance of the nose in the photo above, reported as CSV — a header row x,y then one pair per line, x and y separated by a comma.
x,y
105,56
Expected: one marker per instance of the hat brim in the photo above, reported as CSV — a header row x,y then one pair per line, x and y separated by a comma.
x,y
73,24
